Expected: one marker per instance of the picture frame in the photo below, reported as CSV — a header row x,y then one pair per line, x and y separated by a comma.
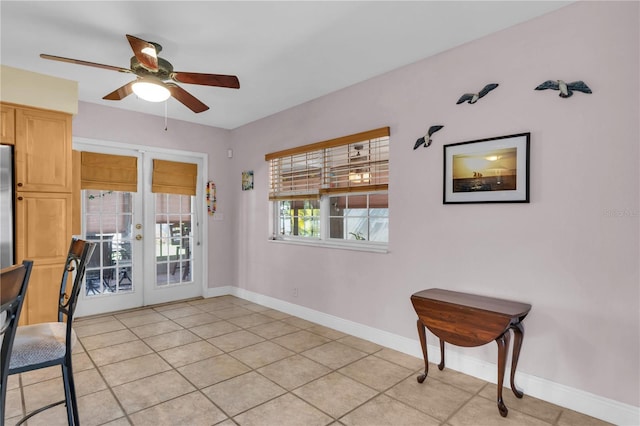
x,y
247,180
492,170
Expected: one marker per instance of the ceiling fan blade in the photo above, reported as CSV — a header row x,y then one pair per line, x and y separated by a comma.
x,y
186,98
121,92
145,52
79,62
230,81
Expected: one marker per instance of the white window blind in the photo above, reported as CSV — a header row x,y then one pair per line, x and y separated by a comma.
x,y
296,176
358,162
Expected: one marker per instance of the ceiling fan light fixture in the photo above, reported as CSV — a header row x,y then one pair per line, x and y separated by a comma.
x,y
152,92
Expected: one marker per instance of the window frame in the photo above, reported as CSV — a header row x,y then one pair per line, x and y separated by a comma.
x,y
346,218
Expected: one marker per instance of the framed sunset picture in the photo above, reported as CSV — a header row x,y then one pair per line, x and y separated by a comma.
x,y
493,170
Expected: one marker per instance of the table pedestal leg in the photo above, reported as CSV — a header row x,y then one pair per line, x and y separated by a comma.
x,y
503,344
441,365
423,343
518,335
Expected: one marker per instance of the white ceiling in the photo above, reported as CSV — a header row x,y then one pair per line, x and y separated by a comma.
x,y
284,53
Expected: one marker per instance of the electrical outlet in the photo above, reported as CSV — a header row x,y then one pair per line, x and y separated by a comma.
x,y
295,292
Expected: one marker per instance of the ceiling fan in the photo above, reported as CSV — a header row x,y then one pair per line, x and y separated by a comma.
x,y
156,75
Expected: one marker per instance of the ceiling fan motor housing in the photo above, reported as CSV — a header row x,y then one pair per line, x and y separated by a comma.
x,y
164,69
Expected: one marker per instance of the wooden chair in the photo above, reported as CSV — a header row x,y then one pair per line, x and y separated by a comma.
x,y
13,286
44,345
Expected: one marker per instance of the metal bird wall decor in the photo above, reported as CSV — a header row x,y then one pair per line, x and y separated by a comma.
x,y
472,98
566,89
426,139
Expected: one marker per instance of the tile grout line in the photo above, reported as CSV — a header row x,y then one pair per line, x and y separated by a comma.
x,y
174,368
295,353
287,391
109,387
225,303
154,351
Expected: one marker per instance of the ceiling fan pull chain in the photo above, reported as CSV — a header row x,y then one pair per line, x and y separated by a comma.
x,y
165,114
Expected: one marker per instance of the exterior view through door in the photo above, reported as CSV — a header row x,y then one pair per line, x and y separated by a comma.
x,y
143,212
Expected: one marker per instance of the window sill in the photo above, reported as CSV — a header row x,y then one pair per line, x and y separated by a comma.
x,y
367,247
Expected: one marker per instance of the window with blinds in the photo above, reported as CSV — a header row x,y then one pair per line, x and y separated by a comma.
x,y
332,190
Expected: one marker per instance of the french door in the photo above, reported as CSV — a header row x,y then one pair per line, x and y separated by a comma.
x,y
149,244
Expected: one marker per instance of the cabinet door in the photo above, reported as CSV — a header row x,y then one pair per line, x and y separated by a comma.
x,y
43,226
43,234
41,302
7,125
43,151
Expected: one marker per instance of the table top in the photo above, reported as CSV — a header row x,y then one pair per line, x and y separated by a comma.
x,y
485,303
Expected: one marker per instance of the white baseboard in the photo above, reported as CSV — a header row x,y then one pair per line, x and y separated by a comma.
x,y
219,291
574,399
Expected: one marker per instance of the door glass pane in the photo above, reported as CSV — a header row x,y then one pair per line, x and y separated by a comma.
x,y
173,238
108,220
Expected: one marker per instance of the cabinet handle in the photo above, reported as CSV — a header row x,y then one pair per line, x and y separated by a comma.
x,y
19,198
19,183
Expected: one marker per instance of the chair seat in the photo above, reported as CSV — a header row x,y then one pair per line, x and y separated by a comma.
x,y
39,343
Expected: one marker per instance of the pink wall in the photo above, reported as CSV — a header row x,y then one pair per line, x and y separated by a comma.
x,y
572,252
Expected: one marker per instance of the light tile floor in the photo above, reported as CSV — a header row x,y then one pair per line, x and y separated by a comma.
x,y
226,361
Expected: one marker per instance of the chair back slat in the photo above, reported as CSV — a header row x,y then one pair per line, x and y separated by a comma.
x,y
80,251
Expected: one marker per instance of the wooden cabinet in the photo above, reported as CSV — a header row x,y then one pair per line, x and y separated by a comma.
x,y
41,303
43,201
43,226
43,151
43,232
7,125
